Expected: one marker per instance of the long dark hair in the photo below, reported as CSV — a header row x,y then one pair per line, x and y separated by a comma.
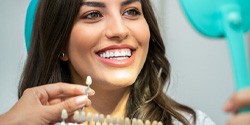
x,y
52,27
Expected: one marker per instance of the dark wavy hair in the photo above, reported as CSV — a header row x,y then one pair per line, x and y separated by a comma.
x,y
52,27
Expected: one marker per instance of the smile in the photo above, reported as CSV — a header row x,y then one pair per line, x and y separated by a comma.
x,y
117,57
117,54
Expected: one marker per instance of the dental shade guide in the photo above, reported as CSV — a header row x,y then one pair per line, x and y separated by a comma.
x,y
100,119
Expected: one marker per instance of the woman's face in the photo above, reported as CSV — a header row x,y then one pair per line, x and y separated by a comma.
x,y
109,41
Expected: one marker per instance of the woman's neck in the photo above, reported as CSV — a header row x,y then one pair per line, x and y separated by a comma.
x,y
112,102
107,101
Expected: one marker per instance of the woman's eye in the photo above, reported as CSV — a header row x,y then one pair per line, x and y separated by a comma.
x,y
132,12
92,15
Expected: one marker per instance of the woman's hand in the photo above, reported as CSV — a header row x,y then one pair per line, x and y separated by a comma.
x,y
236,102
43,105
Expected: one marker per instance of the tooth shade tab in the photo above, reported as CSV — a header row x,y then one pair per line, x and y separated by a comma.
x,y
64,114
76,116
88,80
115,53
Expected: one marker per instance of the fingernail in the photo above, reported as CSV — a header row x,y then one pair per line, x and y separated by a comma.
x,y
80,100
92,92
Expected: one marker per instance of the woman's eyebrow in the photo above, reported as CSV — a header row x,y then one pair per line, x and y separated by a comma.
x,y
127,2
93,4
102,5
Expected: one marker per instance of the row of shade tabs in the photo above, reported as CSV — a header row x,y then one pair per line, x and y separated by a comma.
x,y
83,118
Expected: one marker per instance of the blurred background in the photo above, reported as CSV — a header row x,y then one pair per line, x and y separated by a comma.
x,y
201,67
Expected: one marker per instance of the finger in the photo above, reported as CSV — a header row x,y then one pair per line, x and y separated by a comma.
x,y
58,100
50,91
70,105
238,100
55,101
239,119
57,89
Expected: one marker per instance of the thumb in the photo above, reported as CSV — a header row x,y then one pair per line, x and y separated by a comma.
x,y
238,100
71,105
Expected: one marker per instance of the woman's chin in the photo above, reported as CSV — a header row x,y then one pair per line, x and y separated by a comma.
x,y
122,81
117,79
116,83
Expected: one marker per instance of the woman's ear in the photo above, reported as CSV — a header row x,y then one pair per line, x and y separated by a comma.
x,y
64,57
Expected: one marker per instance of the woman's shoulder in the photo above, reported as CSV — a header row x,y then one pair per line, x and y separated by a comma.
x,y
201,118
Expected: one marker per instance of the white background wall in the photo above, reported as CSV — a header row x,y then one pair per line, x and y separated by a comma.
x,y
12,49
201,67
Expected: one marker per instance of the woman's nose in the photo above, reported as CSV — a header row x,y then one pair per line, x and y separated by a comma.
x,y
117,29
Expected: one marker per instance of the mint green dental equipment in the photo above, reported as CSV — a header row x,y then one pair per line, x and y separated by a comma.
x,y
29,22
224,18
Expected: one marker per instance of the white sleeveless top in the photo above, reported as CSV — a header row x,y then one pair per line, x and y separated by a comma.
x,y
201,119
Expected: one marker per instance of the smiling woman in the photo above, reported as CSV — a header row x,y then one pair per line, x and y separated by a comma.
x,y
110,29
118,44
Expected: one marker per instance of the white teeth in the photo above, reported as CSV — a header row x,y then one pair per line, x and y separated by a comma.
x,y
111,54
116,54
